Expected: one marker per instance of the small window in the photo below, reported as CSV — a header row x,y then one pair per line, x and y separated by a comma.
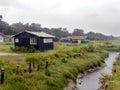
x,y
17,40
47,40
33,41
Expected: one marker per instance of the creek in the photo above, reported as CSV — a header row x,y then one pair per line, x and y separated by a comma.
x,y
91,80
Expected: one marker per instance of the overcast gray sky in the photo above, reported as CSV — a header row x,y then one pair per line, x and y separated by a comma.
x,y
91,15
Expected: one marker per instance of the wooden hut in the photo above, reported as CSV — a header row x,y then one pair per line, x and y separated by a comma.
x,y
39,40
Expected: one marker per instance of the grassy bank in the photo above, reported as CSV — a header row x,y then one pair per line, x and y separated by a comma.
x,y
112,82
110,45
65,62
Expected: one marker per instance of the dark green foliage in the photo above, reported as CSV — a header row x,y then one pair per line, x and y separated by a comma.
x,y
47,72
99,36
23,49
64,60
90,48
32,59
108,43
78,32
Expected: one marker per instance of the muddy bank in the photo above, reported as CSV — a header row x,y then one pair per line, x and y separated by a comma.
x,y
73,85
90,79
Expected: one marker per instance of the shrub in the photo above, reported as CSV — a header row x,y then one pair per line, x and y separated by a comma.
x,y
64,60
47,72
23,49
107,43
90,48
32,59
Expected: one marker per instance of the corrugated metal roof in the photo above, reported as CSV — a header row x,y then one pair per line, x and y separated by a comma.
x,y
39,34
74,37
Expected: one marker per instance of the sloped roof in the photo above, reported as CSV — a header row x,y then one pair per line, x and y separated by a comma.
x,y
39,34
74,37
3,35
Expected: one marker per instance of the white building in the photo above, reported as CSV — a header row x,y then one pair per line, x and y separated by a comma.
x,y
4,38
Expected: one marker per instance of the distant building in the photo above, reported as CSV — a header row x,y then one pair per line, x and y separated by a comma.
x,y
10,38
75,39
40,40
4,38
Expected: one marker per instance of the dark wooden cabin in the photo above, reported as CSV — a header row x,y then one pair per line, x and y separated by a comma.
x,y
40,40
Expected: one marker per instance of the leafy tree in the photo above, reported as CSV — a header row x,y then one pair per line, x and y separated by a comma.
x,y
78,32
5,28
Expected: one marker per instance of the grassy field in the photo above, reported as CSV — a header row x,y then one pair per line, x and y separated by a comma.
x,y
5,47
65,62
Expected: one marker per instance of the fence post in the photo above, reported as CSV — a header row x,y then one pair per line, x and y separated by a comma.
x,y
30,67
33,65
17,69
2,75
38,67
46,64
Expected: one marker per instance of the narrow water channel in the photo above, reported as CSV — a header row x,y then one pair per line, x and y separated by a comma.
x,y
91,81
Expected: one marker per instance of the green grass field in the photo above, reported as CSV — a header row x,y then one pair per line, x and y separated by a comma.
x,y
65,62
5,47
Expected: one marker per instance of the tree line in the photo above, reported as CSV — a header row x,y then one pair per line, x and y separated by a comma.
x,y
14,28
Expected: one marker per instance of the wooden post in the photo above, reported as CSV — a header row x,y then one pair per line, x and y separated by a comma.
x,y
30,67
2,75
17,70
38,67
33,65
46,65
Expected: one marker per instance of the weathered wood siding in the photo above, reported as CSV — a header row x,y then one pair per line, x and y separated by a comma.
x,y
24,40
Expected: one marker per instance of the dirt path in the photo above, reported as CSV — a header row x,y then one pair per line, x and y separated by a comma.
x,y
9,54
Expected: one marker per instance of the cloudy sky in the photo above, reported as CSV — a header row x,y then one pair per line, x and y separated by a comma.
x,y
91,15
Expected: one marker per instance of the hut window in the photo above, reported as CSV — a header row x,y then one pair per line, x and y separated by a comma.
x,y
33,41
17,40
48,40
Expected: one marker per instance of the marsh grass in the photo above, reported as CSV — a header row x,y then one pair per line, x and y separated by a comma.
x,y
78,58
5,47
115,82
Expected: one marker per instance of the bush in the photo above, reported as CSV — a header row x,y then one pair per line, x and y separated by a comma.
x,y
23,49
32,59
107,43
47,72
64,60
90,48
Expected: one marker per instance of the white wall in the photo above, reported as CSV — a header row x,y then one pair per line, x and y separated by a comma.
x,y
79,41
1,39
